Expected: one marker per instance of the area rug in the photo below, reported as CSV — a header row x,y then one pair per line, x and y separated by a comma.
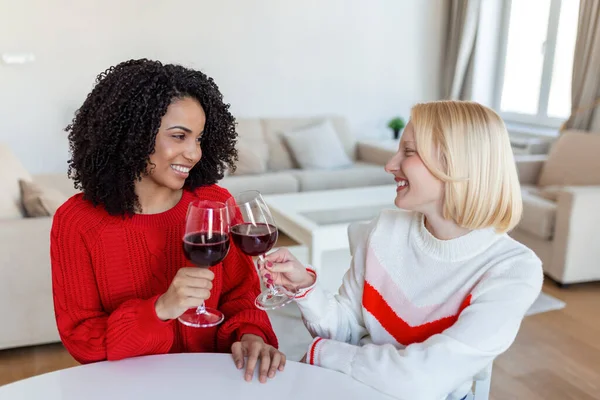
x,y
545,303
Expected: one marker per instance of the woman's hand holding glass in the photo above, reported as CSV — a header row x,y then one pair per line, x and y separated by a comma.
x,y
254,232
282,268
189,288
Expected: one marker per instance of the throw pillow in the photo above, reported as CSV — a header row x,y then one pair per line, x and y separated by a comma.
x,y
11,170
317,147
252,157
573,160
40,201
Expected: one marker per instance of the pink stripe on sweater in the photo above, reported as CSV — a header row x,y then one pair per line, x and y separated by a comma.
x,y
379,278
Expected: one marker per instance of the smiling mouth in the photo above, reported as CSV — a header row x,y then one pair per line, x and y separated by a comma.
x,y
181,169
401,184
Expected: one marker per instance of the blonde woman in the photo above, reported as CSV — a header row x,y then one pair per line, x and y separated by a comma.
x,y
436,290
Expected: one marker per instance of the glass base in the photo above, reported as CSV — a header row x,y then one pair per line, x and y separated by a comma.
x,y
207,319
268,301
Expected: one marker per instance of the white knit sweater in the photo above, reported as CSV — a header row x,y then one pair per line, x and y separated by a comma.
x,y
417,317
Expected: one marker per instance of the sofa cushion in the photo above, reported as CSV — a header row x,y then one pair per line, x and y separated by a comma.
x,y
359,174
59,181
39,200
279,156
317,147
550,192
529,188
253,151
539,215
250,129
574,160
252,157
11,170
267,183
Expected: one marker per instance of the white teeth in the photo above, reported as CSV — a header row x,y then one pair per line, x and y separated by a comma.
x,y
402,183
180,168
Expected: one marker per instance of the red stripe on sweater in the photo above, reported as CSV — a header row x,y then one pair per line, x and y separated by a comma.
x,y
405,334
303,295
311,355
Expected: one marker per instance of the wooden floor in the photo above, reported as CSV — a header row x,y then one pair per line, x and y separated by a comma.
x,y
556,355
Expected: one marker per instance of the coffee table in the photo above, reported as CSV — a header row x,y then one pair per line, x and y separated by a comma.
x,y
320,219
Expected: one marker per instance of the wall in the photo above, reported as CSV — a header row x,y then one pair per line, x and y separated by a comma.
x,y
366,59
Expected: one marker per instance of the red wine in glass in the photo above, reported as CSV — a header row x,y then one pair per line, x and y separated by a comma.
x,y
205,244
254,240
253,230
204,249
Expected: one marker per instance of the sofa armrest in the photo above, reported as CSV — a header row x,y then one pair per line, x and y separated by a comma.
x,y
26,283
529,168
25,244
577,233
61,182
373,153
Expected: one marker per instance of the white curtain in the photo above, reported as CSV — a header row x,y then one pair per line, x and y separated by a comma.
x,y
585,92
461,33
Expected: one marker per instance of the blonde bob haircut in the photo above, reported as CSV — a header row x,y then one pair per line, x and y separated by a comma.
x,y
466,146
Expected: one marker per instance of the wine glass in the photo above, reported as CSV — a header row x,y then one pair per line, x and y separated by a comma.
x,y
205,243
253,230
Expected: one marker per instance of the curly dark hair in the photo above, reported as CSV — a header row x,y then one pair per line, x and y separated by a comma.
x,y
112,135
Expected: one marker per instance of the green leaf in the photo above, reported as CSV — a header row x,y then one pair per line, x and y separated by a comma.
x,y
397,123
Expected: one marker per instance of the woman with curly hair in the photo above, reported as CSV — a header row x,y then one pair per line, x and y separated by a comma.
x,y
148,140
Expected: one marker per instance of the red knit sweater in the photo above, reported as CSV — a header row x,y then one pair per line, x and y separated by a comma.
x,y
108,272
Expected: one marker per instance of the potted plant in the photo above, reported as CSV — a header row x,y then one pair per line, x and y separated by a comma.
x,y
396,125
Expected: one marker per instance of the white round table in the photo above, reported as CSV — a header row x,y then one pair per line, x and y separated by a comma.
x,y
185,376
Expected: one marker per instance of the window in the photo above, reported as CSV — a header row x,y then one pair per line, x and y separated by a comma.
x,y
536,61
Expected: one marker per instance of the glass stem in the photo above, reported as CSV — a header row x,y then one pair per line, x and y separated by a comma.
x,y
272,290
201,309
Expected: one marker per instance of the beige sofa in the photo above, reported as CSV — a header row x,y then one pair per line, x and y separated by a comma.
x,y
280,173
26,308
561,207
